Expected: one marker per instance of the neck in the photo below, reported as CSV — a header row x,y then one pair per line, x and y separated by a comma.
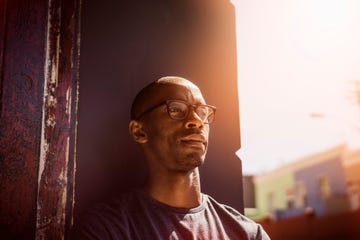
x,y
177,190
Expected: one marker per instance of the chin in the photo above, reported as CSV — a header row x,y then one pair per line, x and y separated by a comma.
x,y
193,160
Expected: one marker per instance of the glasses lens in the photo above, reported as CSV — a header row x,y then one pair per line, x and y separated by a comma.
x,y
177,110
203,112
206,113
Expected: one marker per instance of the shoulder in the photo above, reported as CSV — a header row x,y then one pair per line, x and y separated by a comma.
x,y
223,208
105,219
114,208
233,217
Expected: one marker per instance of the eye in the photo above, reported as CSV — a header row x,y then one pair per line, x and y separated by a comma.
x,y
177,110
202,112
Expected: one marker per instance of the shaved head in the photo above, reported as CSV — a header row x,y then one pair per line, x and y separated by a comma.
x,y
151,94
170,144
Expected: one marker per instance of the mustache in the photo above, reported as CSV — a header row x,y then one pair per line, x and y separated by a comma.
x,y
195,135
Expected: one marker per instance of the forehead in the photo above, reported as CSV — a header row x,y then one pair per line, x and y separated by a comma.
x,y
185,91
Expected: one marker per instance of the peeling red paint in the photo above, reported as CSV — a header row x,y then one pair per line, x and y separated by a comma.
x,y
58,139
22,51
37,130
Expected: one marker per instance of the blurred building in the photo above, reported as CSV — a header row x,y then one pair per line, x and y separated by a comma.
x,y
352,169
325,183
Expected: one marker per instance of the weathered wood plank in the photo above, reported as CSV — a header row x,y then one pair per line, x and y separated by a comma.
x,y
58,141
39,52
22,49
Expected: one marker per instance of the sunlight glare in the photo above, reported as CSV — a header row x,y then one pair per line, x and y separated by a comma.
x,y
294,58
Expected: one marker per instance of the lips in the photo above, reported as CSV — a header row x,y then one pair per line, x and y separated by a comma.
x,y
194,140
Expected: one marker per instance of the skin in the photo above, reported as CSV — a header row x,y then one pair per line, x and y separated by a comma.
x,y
174,149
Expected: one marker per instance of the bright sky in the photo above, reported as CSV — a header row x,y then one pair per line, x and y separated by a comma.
x,y
296,57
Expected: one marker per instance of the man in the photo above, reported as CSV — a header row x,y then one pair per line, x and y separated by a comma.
x,y
170,121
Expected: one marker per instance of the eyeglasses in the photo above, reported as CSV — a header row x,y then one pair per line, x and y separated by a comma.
x,y
179,110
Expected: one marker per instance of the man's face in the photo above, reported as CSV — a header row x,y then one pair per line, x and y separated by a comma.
x,y
177,145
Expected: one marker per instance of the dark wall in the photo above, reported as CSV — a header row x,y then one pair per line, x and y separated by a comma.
x,y
127,44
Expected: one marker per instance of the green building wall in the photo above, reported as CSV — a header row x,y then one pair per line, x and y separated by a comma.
x,y
277,186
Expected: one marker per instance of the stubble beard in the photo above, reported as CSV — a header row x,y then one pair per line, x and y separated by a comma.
x,y
190,162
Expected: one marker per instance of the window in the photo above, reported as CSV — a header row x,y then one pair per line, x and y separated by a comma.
x,y
354,195
290,198
324,187
300,195
271,202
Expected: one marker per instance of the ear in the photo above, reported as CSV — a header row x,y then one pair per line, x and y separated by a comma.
x,y
137,132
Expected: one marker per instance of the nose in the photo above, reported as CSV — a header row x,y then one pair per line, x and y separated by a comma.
x,y
193,120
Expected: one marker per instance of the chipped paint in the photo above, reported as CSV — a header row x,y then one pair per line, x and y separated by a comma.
x,y
56,174
50,183
39,72
68,106
22,41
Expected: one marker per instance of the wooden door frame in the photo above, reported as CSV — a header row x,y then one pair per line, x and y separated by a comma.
x,y
39,90
55,199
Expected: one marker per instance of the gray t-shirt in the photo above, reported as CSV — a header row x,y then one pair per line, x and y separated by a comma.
x,y
138,216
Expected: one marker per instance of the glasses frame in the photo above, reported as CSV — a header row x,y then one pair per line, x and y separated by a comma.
x,y
167,102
